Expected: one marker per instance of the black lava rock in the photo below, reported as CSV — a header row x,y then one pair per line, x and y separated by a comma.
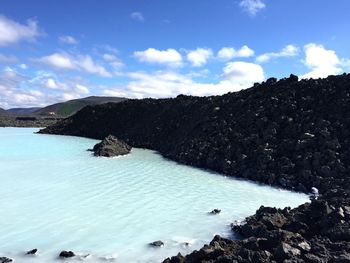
x,y
66,254
111,146
215,211
32,252
5,260
157,244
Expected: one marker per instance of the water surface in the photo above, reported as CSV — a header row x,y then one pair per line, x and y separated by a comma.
x,y
56,196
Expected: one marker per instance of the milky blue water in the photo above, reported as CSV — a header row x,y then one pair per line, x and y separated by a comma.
x,y
56,196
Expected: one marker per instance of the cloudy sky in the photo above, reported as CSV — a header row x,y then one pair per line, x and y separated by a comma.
x,y
53,51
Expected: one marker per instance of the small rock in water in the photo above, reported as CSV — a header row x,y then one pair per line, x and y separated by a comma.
x,y
32,252
215,211
66,254
5,260
111,146
83,257
156,244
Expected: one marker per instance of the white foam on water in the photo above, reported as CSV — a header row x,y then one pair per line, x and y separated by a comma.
x,y
56,196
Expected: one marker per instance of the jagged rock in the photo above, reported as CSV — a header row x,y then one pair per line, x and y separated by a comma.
x,y
5,260
215,211
66,254
286,251
32,252
344,258
157,244
111,146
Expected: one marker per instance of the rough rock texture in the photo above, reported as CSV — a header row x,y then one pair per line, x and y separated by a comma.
x,y
111,146
32,252
66,254
288,133
5,260
158,243
316,232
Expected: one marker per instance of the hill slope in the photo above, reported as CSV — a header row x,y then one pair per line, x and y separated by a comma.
x,y
70,107
3,112
21,111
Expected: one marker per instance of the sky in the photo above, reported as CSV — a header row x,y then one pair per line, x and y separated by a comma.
x,y
52,51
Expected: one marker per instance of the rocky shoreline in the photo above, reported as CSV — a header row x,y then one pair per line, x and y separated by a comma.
x,y
288,133
27,121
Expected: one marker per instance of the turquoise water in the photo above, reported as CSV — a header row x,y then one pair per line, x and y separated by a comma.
x,y
56,196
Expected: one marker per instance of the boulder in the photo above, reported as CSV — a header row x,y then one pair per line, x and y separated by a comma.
x,y
5,260
157,244
110,147
66,254
215,211
32,252
286,251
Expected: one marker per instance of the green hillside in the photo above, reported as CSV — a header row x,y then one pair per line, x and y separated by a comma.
x,y
70,107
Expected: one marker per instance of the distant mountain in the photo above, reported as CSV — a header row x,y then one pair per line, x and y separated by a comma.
x,y
20,111
3,112
70,107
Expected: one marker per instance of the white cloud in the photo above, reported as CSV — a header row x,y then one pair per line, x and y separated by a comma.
x,y
44,88
12,93
8,58
109,57
12,32
88,65
81,89
59,61
161,84
51,84
68,40
64,61
228,53
169,57
252,7
199,57
243,73
23,66
287,51
113,61
138,16
321,61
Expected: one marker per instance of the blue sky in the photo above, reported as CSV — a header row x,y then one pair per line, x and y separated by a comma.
x,y
58,50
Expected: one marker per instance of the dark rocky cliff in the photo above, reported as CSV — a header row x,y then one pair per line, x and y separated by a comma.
x,y
288,133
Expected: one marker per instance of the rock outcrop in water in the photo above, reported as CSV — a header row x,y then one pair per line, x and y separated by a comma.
x,y
288,133
110,147
32,252
158,243
5,260
66,254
